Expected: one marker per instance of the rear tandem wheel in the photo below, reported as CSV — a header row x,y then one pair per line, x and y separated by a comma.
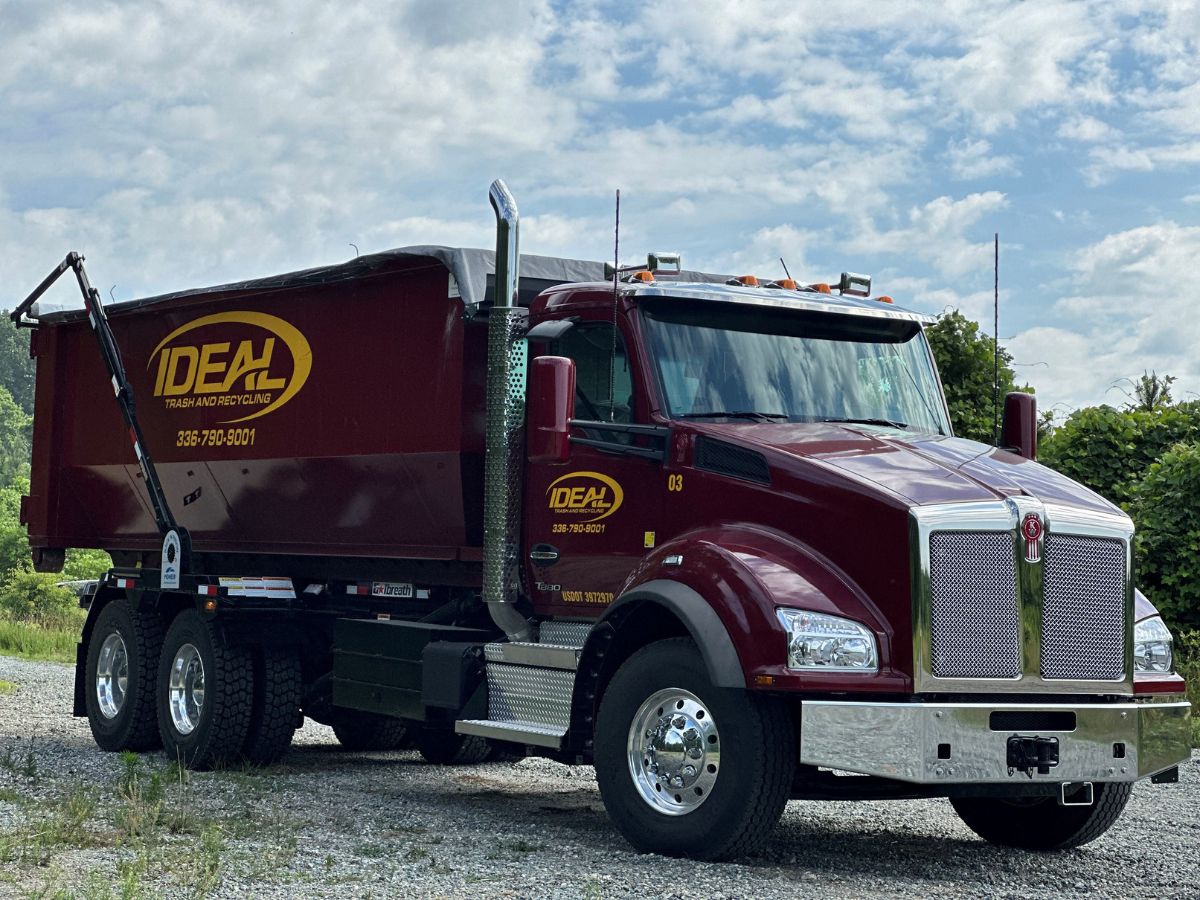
x,y
122,663
205,694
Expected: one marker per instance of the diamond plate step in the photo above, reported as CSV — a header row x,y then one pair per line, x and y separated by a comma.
x,y
564,633
549,656
529,693
516,732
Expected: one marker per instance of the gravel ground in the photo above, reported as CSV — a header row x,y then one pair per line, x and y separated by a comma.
x,y
327,823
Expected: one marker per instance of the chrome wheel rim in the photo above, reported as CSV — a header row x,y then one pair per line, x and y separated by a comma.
x,y
674,751
112,675
186,689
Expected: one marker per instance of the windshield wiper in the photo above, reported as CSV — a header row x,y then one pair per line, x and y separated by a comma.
x,y
852,421
736,414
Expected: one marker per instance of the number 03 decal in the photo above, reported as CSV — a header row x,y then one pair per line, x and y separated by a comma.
x,y
675,483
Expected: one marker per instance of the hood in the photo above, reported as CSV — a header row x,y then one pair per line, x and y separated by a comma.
x,y
922,468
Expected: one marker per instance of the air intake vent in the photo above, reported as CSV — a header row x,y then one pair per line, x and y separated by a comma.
x,y
729,459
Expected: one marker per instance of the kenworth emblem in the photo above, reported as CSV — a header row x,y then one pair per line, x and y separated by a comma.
x,y
1031,530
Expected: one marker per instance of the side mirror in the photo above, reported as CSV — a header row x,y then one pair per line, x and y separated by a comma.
x,y
551,409
1018,431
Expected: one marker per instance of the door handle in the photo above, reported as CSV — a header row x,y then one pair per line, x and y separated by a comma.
x,y
543,554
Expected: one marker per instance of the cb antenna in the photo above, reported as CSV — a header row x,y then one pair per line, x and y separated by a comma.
x,y
996,340
785,269
612,357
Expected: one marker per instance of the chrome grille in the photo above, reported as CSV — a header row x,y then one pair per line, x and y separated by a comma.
x,y
1083,610
975,627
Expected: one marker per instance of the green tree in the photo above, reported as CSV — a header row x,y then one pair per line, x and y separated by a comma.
x,y
15,427
1150,392
14,542
16,368
964,357
1167,512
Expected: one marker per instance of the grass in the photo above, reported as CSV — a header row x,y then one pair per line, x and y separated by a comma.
x,y
63,825
7,687
55,643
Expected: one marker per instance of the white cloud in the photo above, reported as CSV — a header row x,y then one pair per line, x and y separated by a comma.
x,y
937,233
1084,128
767,245
193,143
1018,59
971,159
1127,313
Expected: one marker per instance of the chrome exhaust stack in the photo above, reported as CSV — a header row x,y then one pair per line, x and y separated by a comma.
x,y
507,362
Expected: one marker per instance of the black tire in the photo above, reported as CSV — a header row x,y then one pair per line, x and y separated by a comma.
x,y
756,747
446,748
276,710
357,730
222,721
1040,823
135,725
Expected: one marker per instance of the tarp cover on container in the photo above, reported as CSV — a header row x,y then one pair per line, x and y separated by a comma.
x,y
471,268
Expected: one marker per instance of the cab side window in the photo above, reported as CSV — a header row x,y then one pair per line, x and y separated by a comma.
x,y
591,346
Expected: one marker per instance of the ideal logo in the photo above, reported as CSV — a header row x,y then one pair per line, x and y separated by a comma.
x,y
585,493
248,361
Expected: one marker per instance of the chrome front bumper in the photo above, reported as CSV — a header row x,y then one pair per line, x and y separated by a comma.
x,y
949,743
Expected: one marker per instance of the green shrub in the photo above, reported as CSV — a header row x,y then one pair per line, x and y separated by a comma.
x,y
1110,450
35,597
14,542
1166,507
1187,664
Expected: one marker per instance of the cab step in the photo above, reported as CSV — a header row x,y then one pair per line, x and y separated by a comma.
x,y
514,732
529,694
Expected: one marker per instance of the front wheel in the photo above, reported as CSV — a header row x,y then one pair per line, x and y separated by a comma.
x,y
1040,823
686,768
205,694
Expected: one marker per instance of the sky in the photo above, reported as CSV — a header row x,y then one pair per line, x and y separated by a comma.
x,y
186,143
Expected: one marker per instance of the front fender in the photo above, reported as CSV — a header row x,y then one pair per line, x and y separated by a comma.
x,y
743,573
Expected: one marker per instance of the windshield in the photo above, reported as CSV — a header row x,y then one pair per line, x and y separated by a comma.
x,y
773,366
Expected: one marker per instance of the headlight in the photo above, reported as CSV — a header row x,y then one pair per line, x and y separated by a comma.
x,y
1151,646
818,641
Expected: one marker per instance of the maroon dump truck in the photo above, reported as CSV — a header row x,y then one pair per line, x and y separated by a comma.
x,y
713,536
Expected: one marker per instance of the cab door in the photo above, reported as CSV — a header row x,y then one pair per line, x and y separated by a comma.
x,y
590,521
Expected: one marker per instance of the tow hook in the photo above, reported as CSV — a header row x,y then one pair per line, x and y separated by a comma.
x,y
1075,793
1026,754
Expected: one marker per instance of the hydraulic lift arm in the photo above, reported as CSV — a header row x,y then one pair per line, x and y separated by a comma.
x,y
176,542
